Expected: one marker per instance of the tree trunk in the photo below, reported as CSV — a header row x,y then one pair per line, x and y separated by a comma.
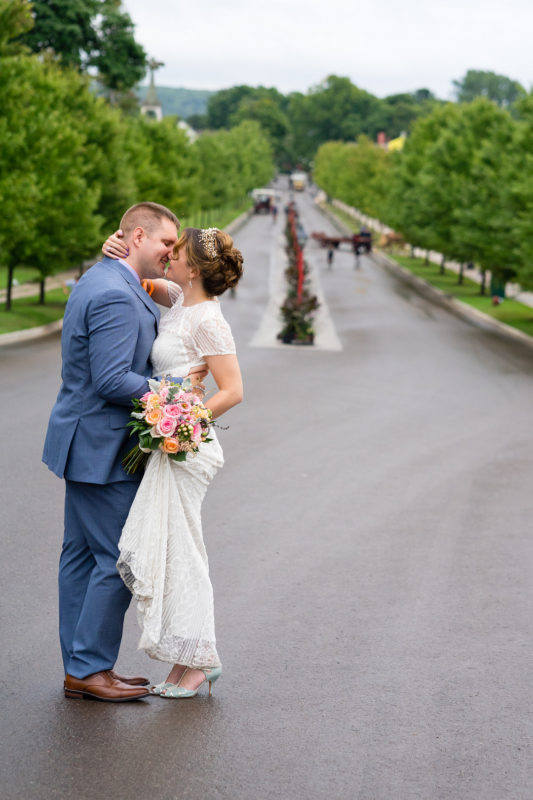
x,y
442,264
482,284
10,272
412,253
461,271
426,262
41,291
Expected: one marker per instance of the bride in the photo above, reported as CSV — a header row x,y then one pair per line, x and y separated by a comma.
x,y
162,559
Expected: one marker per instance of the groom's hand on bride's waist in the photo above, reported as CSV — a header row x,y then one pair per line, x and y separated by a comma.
x,y
196,376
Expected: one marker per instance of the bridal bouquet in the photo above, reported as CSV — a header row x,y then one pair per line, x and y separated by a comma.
x,y
171,418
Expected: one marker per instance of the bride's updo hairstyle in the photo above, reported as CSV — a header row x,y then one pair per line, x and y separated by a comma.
x,y
212,253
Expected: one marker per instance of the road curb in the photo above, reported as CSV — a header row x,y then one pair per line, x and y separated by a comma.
x,y
29,334
237,223
457,307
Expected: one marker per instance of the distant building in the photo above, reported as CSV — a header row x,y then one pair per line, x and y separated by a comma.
x,y
391,144
191,134
151,107
397,144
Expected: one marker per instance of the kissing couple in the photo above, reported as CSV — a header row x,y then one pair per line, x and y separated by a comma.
x,y
130,534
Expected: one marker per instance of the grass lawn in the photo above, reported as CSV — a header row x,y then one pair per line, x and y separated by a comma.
x,y
510,311
22,275
217,217
27,313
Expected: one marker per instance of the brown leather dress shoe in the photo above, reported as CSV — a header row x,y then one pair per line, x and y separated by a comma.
x,y
102,686
134,681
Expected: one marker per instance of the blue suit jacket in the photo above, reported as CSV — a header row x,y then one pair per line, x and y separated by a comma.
x,y
108,331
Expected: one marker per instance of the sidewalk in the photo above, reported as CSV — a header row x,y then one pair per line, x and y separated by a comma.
x,y
512,290
53,282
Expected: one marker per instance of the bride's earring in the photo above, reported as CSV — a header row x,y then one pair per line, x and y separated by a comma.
x,y
190,284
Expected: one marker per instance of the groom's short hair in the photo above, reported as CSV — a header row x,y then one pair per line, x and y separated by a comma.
x,y
147,216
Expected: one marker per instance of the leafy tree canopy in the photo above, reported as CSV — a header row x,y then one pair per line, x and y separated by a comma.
x,y
224,104
477,83
89,33
15,20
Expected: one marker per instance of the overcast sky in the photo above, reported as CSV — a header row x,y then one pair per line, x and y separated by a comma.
x,y
385,47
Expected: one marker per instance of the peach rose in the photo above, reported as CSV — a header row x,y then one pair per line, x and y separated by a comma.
x,y
171,445
150,398
153,416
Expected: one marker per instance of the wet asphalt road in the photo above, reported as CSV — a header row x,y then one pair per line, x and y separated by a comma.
x,y
371,554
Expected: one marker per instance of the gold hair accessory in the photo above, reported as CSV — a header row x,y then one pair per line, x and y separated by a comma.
x,y
208,238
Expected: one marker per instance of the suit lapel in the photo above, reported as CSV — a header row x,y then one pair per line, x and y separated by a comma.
x,y
135,285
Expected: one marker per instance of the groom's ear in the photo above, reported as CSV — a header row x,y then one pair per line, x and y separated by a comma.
x,y
138,236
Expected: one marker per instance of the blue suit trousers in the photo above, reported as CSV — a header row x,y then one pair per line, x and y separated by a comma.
x,y
92,597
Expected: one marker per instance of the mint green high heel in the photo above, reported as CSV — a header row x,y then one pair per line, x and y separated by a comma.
x,y
158,688
176,691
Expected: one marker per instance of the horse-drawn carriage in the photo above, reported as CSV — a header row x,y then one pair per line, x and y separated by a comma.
x,y
265,200
359,242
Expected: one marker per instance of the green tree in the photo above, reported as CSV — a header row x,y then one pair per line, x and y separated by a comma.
x,y
166,167
270,117
120,60
519,162
484,136
66,28
418,206
231,163
48,220
197,121
335,110
479,83
355,173
15,20
451,187
223,105
85,33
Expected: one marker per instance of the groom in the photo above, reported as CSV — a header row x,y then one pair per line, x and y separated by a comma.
x,y
109,327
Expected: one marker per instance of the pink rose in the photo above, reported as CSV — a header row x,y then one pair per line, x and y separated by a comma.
x,y
166,426
163,393
197,433
172,410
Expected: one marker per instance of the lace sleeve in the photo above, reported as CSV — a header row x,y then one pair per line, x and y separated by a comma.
x,y
213,337
174,291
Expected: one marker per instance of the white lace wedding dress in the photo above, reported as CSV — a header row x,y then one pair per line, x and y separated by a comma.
x,y
163,560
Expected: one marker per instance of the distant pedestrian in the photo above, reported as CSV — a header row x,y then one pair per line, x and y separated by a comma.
x,y
274,212
69,285
331,253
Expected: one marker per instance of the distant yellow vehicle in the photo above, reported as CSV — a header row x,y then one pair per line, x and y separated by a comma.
x,y
298,181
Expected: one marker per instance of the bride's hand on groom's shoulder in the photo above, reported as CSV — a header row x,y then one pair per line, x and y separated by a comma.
x,y
114,247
